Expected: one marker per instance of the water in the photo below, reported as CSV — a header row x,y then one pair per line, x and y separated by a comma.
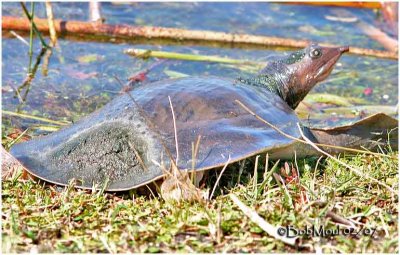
x,y
81,79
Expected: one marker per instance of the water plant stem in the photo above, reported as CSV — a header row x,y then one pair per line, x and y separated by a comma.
x,y
31,40
37,32
31,75
52,29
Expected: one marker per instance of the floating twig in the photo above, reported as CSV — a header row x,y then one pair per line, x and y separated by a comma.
x,y
175,35
387,109
371,31
140,53
19,38
32,117
359,4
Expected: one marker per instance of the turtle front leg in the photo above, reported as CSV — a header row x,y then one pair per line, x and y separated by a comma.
x,y
198,176
177,186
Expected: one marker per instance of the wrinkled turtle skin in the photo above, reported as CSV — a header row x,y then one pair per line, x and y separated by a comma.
x,y
126,141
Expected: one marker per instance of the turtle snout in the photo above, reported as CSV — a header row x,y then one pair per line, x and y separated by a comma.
x,y
344,49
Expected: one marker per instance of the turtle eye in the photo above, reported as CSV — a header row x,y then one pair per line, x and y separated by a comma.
x,y
315,53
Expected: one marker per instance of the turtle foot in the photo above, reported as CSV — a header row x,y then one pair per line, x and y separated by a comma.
x,y
178,186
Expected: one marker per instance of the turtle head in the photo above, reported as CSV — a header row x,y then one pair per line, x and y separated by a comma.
x,y
307,67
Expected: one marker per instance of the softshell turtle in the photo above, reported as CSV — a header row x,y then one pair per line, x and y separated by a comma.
x,y
127,140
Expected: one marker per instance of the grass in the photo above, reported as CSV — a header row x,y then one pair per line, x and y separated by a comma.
x,y
47,218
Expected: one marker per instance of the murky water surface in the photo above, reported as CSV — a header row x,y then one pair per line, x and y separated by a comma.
x,y
80,75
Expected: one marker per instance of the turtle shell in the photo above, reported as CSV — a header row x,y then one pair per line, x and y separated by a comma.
x,y
126,141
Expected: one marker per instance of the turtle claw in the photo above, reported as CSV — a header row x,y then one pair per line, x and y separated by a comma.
x,y
177,186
